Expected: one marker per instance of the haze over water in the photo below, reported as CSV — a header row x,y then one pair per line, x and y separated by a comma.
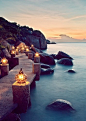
x,y
61,85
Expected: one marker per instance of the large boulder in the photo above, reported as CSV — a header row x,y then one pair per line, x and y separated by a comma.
x,y
37,39
53,55
47,59
65,61
60,104
62,55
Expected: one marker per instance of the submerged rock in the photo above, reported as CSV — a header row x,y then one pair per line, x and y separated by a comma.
x,y
62,55
71,71
61,104
65,61
46,71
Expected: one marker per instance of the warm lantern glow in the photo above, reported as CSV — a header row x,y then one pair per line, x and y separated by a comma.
x,y
22,48
12,52
17,47
32,45
27,50
36,54
13,47
21,77
4,61
25,46
16,50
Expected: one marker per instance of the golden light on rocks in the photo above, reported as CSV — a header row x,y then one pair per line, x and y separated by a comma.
x,y
21,77
4,61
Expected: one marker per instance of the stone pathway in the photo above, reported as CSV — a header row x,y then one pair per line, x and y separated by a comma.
x,y
6,97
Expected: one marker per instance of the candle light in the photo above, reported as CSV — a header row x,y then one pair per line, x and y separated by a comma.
x,y
27,50
32,45
13,47
13,52
17,52
4,67
36,58
21,77
4,61
36,54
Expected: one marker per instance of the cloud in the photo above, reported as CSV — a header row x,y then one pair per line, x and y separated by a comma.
x,y
65,38
76,17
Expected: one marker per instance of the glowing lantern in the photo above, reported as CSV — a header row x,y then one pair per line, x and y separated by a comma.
x,y
25,46
22,48
32,45
21,77
27,50
4,61
13,47
17,51
36,54
17,47
13,52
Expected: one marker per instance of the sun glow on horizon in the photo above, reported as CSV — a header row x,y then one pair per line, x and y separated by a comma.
x,y
58,17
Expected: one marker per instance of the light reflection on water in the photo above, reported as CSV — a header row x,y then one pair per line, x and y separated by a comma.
x,y
60,84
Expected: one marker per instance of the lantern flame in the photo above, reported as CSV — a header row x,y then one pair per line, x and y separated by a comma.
x,y
27,49
12,52
37,54
21,77
4,61
13,47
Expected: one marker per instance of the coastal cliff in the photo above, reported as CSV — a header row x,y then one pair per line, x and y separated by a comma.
x,y
13,33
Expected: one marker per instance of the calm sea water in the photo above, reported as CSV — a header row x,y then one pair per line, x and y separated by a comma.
x,y
61,85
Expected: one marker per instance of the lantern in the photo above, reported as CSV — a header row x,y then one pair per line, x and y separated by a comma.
x,y
13,47
36,54
27,50
13,52
21,77
17,51
32,45
36,58
4,61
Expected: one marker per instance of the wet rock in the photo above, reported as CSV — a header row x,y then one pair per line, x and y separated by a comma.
x,y
65,61
48,41
47,59
44,66
61,104
53,55
46,71
62,55
71,71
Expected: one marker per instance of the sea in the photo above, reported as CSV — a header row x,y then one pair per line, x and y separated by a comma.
x,y
61,85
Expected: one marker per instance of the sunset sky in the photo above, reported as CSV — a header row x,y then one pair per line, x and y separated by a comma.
x,y
57,19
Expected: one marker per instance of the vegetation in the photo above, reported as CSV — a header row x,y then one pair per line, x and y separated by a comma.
x,y
12,32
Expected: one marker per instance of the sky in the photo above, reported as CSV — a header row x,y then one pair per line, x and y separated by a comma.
x,y
57,19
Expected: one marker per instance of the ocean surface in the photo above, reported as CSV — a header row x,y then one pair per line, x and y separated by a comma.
x,y
61,85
